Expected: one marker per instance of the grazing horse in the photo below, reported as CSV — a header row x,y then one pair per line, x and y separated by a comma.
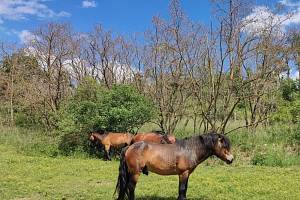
x,y
179,159
108,139
154,137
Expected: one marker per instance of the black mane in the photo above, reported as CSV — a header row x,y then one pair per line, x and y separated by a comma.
x,y
207,139
188,141
211,139
100,131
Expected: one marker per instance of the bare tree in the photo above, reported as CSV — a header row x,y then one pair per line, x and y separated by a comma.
x,y
254,60
9,56
168,59
52,49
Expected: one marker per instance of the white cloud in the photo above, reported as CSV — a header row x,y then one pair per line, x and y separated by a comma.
x,y
263,18
21,9
294,8
88,4
25,36
289,3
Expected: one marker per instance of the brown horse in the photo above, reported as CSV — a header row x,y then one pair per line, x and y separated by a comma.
x,y
180,159
108,139
154,137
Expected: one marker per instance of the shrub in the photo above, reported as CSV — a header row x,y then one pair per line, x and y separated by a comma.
x,y
121,108
288,103
259,159
295,112
289,89
125,109
73,142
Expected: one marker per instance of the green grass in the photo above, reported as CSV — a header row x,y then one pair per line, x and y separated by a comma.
x,y
35,177
29,142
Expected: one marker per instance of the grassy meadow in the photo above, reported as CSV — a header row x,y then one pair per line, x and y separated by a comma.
x,y
31,167
62,78
36,177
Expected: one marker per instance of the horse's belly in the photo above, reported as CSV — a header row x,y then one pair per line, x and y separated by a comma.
x,y
162,166
160,171
118,145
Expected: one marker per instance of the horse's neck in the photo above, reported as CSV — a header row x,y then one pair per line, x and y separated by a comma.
x,y
100,136
202,155
203,151
194,148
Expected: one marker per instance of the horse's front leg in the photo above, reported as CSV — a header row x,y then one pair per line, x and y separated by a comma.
x,y
183,184
107,147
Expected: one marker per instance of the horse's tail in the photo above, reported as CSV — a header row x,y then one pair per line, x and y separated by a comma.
x,y
123,179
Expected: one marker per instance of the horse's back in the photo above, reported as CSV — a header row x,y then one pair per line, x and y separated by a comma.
x,y
116,139
148,137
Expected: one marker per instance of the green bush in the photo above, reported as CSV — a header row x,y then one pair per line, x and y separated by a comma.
x,y
289,89
275,145
73,142
274,159
259,159
125,109
121,108
288,103
295,112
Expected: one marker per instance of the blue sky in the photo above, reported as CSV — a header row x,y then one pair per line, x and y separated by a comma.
x,y
19,17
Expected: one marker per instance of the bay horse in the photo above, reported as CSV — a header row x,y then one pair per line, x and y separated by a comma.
x,y
179,159
154,137
108,139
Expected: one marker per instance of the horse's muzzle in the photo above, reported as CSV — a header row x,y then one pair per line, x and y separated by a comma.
x,y
229,159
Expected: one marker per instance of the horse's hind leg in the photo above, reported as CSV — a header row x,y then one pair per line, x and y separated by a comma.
x,y
183,184
131,186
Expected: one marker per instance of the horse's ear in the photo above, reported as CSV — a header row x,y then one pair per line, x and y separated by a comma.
x,y
221,139
92,138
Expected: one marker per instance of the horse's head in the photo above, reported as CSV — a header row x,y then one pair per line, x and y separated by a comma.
x,y
221,148
171,138
167,139
92,137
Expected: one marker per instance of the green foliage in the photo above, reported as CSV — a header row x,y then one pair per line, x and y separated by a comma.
x,y
28,106
288,103
121,108
268,146
258,159
88,89
289,89
274,159
125,109
73,143
295,111
30,142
